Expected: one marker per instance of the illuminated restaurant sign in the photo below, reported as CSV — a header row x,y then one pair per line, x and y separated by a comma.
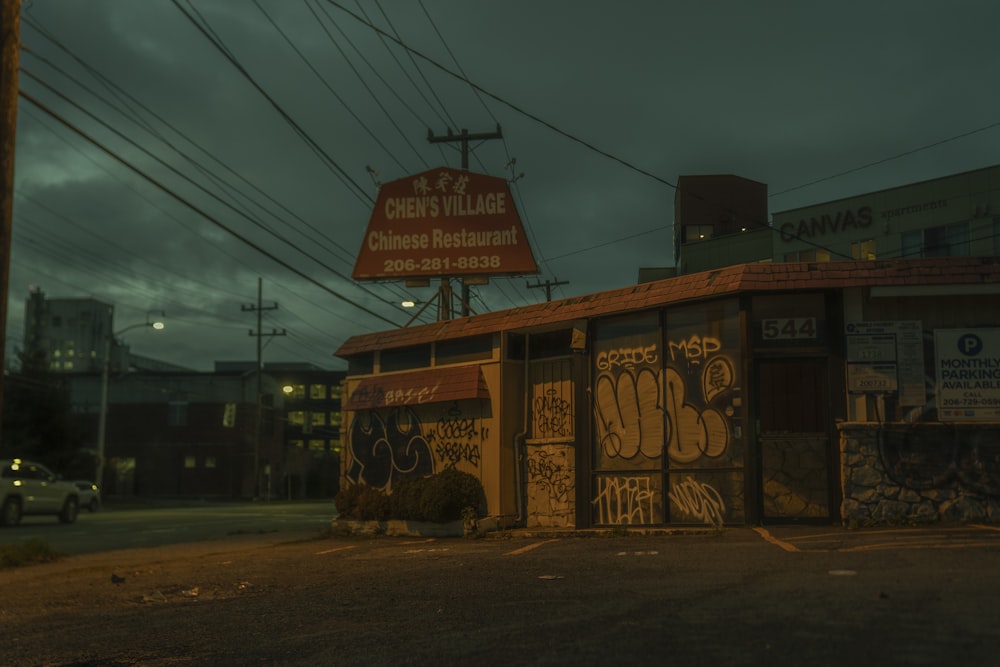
x,y
444,222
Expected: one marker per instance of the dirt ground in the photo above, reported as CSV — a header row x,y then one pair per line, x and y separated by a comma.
x,y
731,598
48,611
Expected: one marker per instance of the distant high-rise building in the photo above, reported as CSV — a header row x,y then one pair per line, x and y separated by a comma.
x,y
70,336
67,334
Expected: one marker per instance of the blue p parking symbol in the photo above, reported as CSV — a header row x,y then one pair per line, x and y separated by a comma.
x,y
970,344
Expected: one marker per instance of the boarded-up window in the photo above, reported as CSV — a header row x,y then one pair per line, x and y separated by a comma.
x,y
552,400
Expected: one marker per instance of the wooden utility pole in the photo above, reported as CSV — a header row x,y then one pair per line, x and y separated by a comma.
x,y
10,33
259,308
464,138
548,285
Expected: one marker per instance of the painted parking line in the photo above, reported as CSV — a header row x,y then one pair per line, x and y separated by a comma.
x,y
768,537
518,552
330,551
965,537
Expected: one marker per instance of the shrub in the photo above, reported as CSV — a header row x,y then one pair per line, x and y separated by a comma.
x,y
447,493
362,503
440,498
34,550
404,503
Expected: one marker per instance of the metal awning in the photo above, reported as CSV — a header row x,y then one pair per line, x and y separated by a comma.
x,y
434,385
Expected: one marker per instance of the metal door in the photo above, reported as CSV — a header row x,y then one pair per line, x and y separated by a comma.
x,y
793,439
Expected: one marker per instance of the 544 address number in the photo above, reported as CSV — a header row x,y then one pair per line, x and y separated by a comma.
x,y
789,328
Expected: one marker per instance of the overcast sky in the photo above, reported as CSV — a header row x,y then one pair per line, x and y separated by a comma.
x,y
268,124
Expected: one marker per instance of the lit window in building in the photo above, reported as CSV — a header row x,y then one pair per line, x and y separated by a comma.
x,y
318,418
693,233
336,391
808,256
317,392
863,249
297,391
297,417
67,365
56,354
335,446
317,445
297,444
210,462
335,418
190,461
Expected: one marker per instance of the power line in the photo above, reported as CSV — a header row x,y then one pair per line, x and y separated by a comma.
x,y
325,158
200,211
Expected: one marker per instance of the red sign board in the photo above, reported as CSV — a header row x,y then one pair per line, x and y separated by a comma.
x,y
444,222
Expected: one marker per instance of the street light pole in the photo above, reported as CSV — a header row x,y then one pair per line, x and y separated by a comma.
x,y
102,422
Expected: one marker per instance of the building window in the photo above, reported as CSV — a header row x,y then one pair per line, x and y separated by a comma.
x,y
362,364
336,392
941,241
405,358
694,233
177,413
297,391
297,444
317,445
863,249
471,348
335,418
210,462
317,418
190,461
317,392
297,417
910,244
816,255
808,256
335,446
958,239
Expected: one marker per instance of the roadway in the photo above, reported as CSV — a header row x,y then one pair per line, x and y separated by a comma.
x,y
151,526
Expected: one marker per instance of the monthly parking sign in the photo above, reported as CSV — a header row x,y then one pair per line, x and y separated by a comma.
x,y
968,374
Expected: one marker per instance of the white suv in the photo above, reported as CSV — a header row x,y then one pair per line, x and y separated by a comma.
x,y
27,488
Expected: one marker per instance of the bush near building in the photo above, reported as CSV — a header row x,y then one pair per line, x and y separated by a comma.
x,y
439,498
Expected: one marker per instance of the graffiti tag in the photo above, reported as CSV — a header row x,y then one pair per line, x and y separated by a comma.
x,y
553,415
698,500
623,500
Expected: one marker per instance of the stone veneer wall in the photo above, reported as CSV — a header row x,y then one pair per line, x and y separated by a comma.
x,y
904,473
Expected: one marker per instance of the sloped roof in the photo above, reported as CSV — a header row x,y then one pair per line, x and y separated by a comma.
x,y
730,280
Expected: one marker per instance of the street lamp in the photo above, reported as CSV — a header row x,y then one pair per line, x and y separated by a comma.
x,y
102,424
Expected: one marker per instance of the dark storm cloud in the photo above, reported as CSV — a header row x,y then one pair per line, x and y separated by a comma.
x,y
784,93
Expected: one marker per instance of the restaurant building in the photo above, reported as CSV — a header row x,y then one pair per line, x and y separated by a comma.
x,y
861,391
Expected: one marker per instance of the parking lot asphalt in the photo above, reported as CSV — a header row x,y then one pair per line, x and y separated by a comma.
x,y
806,538
798,538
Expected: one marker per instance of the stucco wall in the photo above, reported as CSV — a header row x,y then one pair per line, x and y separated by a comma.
x,y
918,473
